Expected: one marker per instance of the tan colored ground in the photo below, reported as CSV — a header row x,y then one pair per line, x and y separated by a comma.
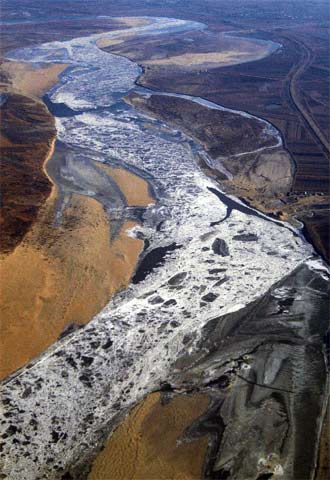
x,y
191,59
133,21
59,276
145,446
53,192
35,81
133,187
107,42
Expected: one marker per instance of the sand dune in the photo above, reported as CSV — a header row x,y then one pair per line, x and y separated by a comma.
x,y
146,445
59,276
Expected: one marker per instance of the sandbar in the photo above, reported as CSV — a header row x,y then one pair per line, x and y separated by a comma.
x,y
229,57
133,187
32,80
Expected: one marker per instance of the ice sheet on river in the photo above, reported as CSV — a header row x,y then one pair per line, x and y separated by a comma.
x,y
112,76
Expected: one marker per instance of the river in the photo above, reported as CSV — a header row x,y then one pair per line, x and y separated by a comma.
x,y
131,345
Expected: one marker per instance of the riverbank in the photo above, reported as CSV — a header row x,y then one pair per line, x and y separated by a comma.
x,y
64,274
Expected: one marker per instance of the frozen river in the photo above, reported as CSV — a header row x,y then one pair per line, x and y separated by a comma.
x,y
217,267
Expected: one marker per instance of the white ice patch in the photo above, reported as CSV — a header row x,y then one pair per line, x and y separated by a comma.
x,y
133,232
319,266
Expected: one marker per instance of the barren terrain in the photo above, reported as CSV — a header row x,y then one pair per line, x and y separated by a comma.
x,y
153,434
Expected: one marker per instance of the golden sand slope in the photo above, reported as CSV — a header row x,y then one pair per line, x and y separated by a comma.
x,y
31,80
190,59
58,276
145,446
107,42
134,188
134,21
